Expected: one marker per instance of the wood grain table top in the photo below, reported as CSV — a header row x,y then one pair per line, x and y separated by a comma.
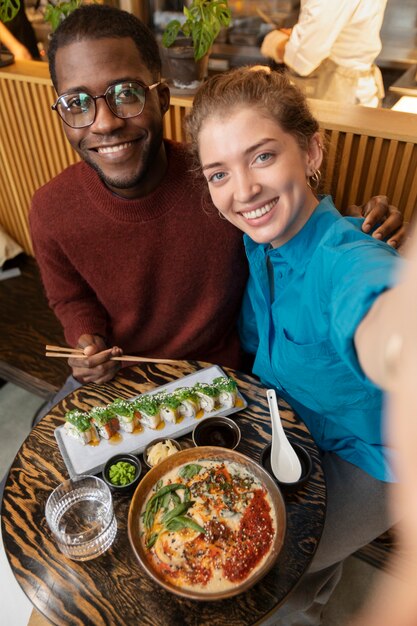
x,y
113,589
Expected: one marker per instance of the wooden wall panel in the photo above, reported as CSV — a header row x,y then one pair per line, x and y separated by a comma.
x,y
368,152
33,147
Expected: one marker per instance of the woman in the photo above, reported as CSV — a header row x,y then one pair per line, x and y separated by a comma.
x,y
319,309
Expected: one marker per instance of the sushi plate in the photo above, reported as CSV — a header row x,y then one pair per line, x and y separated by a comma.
x,y
80,459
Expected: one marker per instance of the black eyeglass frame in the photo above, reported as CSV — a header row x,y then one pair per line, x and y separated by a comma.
x,y
146,88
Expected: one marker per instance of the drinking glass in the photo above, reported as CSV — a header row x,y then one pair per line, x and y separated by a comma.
x,y
80,515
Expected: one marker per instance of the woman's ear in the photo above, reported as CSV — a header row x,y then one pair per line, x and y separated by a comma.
x,y
314,154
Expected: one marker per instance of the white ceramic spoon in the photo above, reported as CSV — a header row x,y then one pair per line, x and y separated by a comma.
x,y
284,461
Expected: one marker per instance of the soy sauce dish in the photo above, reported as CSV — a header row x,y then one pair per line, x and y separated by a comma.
x,y
217,431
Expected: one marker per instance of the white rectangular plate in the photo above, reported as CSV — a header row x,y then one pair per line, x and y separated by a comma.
x,y
87,459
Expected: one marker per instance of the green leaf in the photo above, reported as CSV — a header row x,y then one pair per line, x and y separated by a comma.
x,y
178,510
204,20
8,9
170,33
152,540
182,521
190,470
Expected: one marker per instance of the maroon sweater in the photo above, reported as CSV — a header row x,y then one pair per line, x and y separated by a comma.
x,y
157,276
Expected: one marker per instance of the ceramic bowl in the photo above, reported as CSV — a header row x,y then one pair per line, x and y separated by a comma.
x,y
306,466
174,442
217,431
191,456
128,458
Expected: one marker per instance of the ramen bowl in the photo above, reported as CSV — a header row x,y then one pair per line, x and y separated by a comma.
x,y
265,496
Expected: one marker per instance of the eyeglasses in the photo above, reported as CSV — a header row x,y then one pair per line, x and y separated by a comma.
x,y
124,100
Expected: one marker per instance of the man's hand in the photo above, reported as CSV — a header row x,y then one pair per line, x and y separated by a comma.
x,y
376,211
96,367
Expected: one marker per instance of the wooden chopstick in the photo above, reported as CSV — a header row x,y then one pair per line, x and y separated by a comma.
x,y
63,349
77,353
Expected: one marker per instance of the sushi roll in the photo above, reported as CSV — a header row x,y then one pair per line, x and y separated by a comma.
x,y
124,411
208,396
79,427
105,421
147,409
169,407
189,401
227,389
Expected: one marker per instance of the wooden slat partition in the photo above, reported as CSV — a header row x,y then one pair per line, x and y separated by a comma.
x,y
33,147
368,151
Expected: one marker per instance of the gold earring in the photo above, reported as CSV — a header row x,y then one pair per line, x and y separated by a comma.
x,y
313,181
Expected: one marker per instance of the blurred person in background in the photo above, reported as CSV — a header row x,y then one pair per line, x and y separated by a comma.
x,y
330,52
19,37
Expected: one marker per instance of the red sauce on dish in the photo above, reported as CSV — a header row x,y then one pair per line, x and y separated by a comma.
x,y
254,539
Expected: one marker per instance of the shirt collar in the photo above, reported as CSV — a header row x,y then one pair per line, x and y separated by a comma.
x,y
300,248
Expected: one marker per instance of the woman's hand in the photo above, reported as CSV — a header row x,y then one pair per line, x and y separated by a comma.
x,y
378,212
96,367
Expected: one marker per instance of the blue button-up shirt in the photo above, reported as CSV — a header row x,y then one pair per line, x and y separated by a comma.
x,y
323,282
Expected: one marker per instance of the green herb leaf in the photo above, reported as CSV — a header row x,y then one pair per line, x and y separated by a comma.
x,y
182,521
188,471
178,510
152,540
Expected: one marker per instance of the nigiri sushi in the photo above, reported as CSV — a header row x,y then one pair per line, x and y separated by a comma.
x,y
147,409
79,426
125,413
189,401
208,396
227,389
105,421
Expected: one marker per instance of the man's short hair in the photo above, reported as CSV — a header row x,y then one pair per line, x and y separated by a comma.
x,y
96,21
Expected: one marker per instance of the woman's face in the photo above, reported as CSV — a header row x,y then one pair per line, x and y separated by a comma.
x,y
257,174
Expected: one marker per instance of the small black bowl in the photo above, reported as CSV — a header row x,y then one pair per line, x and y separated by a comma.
x,y
306,466
217,431
128,458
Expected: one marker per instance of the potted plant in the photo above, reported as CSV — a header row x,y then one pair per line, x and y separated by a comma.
x,y
55,12
192,39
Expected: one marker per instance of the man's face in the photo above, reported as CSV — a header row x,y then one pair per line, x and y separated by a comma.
x,y
127,154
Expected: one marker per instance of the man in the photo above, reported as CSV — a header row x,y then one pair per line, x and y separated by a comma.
x,y
128,256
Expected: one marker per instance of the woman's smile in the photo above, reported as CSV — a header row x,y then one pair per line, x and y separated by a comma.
x,y
257,213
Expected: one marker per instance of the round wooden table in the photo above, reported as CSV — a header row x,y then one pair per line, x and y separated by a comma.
x,y
113,589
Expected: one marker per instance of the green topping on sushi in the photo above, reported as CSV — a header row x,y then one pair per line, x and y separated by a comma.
x,y
222,383
101,415
170,401
208,390
147,404
185,393
122,407
79,419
